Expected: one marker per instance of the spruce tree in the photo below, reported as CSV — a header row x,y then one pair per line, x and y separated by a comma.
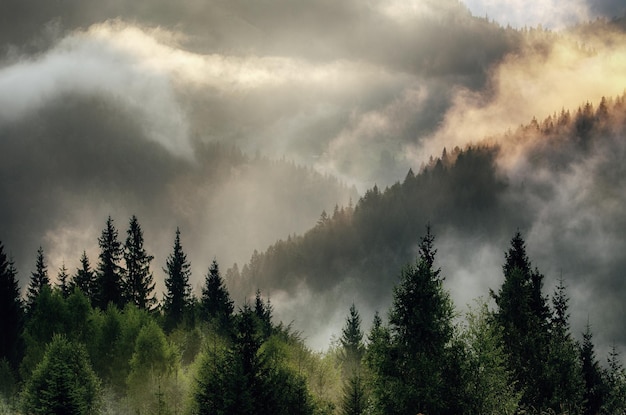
x,y
138,282
592,375
109,271
11,311
565,373
263,311
216,305
38,279
63,382
354,396
63,284
352,342
524,315
178,295
85,279
615,381
421,325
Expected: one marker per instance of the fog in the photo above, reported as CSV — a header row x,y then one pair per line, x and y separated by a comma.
x,y
140,108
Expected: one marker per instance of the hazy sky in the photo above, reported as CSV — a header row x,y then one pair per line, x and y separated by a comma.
x,y
109,108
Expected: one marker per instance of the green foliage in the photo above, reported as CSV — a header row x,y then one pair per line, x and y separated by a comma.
x,y
594,393
153,366
47,317
177,299
564,366
216,305
524,315
241,378
63,383
109,271
615,382
38,279
489,383
85,280
421,328
138,282
354,396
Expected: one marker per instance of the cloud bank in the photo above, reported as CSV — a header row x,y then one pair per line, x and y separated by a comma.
x,y
121,109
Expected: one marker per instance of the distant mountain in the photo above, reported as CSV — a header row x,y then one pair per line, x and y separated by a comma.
x,y
78,159
474,198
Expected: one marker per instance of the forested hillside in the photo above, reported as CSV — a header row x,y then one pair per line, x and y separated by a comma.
x,y
470,195
97,342
102,325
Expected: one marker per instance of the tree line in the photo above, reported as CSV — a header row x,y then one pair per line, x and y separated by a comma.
x,y
98,340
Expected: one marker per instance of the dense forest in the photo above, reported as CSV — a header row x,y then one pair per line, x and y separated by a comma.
x,y
98,341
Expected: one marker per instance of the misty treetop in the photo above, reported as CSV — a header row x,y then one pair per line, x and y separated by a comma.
x,y
516,356
207,354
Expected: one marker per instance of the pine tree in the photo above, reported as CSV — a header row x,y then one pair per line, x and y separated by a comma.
x,y
615,380
216,305
38,279
11,311
352,342
138,283
85,279
63,382
109,272
523,313
421,325
565,375
592,375
178,296
354,396
263,310
63,283
381,366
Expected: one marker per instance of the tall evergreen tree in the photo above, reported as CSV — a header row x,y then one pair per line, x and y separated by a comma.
x,y
109,271
421,325
11,311
592,375
615,381
86,280
63,284
178,295
352,341
263,310
378,359
565,375
38,279
524,315
138,283
354,396
63,382
216,305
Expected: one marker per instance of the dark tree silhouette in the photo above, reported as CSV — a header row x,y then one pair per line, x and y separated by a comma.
x,y
138,282
594,393
109,271
86,280
524,315
11,311
216,305
38,279
63,284
178,295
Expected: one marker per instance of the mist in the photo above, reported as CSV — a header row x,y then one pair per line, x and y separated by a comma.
x,y
239,123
